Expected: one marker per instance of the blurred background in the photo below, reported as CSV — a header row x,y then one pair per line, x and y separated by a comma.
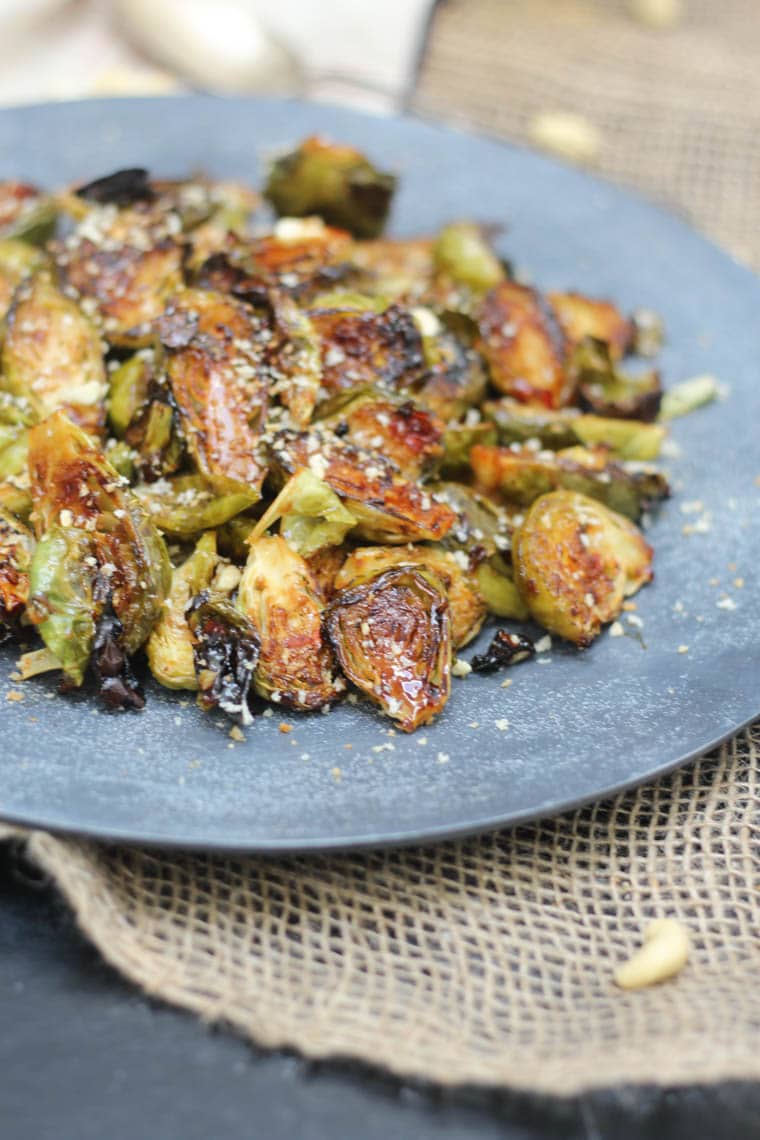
x,y
662,95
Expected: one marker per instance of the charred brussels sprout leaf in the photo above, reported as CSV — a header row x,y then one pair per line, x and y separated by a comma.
x,y
122,188
311,515
214,368
16,546
76,489
387,507
576,562
466,604
463,253
505,649
454,379
336,182
170,645
392,637
226,651
282,600
117,685
52,355
603,388
522,476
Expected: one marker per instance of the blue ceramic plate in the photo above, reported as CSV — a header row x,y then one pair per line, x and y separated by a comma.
x,y
581,725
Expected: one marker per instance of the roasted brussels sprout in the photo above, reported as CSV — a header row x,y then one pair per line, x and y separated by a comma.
x,y
524,474
523,346
128,390
84,515
408,436
392,637
124,283
387,507
575,563
282,600
458,441
463,253
26,214
603,388
336,182
52,355
324,565
294,360
454,380
466,604
311,516
16,546
394,268
518,423
226,652
214,366
363,349
170,647
580,317
17,261
300,259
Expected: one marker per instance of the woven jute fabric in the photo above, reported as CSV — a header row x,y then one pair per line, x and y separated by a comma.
x,y
678,110
487,961
491,961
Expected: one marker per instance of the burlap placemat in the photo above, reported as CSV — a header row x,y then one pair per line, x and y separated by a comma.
x,y
491,961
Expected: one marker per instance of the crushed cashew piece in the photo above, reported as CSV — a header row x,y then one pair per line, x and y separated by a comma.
x,y
665,951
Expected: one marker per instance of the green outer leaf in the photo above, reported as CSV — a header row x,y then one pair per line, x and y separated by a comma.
x,y
205,512
312,516
61,587
462,253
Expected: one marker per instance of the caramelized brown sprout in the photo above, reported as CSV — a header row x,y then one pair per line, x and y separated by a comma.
x,y
392,637
576,562
226,651
52,355
336,182
580,317
523,346
361,348
387,508
214,364
466,604
521,476
410,437
282,600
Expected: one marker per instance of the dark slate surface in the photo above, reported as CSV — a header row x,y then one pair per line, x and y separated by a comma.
x,y
580,726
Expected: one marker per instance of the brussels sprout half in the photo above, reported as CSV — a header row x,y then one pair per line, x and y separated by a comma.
x,y
466,603
627,439
214,365
392,637
170,647
605,389
185,505
575,563
336,182
311,516
26,214
282,600
387,507
410,437
117,556
52,355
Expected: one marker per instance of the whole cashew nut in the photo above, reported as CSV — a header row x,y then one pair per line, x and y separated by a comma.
x,y
664,953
